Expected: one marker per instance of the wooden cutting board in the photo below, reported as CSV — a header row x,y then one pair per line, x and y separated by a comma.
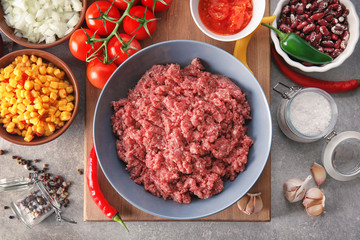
x,y
176,23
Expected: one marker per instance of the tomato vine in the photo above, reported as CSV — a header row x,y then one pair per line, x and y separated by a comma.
x,y
103,48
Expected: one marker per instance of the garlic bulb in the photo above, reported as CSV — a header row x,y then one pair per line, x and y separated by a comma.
x,y
319,173
251,203
295,189
314,202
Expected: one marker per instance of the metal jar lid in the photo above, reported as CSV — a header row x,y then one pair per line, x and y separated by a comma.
x,y
341,155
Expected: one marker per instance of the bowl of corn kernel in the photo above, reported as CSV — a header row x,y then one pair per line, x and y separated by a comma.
x,y
39,97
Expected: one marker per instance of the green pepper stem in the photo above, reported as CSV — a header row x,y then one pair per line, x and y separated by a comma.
x,y
281,35
118,219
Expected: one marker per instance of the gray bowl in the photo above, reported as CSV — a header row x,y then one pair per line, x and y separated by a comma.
x,y
216,61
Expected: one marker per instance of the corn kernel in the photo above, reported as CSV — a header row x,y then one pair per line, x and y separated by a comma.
x,y
57,113
62,93
10,127
69,107
54,85
65,116
21,107
51,127
45,98
28,85
34,114
20,125
42,69
69,89
42,111
39,62
25,58
33,58
53,96
26,102
28,137
49,70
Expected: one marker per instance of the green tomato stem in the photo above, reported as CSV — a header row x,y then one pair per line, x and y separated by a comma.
x,y
105,41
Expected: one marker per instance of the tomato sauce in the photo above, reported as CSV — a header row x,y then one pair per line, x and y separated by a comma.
x,y
225,17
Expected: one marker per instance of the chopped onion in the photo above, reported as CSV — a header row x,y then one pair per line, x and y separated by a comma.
x,y
42,20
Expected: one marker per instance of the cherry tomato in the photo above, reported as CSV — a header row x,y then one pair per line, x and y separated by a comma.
x,y
98,73
95,10
122,52
120,4
145,19
157,5
78,44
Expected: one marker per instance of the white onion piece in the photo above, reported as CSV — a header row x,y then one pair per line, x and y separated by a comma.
x,y
42,20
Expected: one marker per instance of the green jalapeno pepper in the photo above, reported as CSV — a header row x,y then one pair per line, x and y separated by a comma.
x,y
300,49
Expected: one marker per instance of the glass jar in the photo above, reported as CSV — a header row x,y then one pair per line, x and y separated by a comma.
x,y
310,114
33,204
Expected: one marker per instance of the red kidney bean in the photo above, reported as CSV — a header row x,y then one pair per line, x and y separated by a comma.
x,y
285,10
329,18
327,44
324,31
338,30
294,24
329,50
334,37
301,25
346,35
317,16
337,44
312,37
285,28
322,5
300,8
336,52
343,44
309,28
322,22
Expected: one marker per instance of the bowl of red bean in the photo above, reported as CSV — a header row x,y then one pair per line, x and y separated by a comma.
x,y
331,26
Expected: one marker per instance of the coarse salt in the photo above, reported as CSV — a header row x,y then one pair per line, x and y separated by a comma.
x,y
310,113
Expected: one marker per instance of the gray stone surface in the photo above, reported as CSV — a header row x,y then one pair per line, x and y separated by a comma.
x,y
288,159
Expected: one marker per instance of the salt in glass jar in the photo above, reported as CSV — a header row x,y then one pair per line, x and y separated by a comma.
x,y
310,114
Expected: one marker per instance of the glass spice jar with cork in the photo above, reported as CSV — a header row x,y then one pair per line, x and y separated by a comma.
x,y
309,114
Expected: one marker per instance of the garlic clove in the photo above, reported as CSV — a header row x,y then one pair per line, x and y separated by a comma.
x,y
251,203
295,189
315,210
319,173
314,202
243,202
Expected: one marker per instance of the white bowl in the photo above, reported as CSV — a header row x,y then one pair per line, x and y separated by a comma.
x,y
353,21
258,13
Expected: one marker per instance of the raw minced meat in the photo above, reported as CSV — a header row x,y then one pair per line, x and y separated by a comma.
x,y
182,132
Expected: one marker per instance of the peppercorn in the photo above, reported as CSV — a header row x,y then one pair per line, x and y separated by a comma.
x,y
6,207
80,171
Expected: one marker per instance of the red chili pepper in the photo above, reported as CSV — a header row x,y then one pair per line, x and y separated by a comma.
x,y
306,81
95,191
